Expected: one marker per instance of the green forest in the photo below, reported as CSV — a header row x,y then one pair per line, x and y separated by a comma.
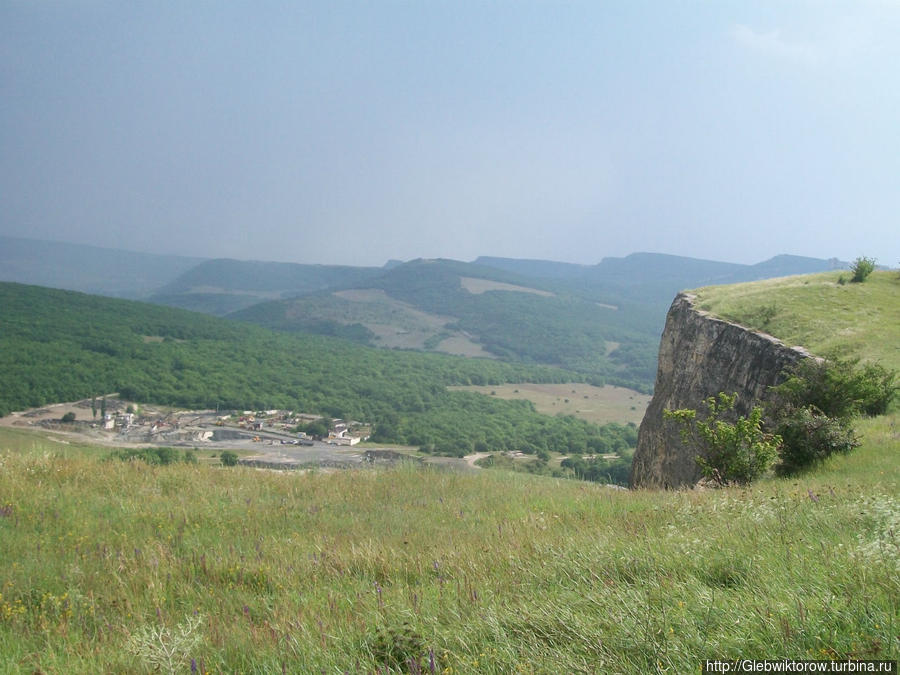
x,y
61,345
562,329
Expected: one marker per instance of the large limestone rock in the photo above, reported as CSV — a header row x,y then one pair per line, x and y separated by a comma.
x,y
699,356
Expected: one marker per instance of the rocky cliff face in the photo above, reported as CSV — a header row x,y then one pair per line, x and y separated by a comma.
x,y
700,356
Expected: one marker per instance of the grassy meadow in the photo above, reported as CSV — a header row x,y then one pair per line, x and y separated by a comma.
x,y
817,312
599,405
122,567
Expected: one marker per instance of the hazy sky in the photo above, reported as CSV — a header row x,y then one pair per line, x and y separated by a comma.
x,y
361,131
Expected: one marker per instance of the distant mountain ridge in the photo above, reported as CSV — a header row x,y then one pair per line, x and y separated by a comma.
x,y
255,275
652,269
225,285
89,269
600,320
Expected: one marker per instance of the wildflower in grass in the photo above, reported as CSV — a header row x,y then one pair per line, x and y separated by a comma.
x,y
166,649
882,544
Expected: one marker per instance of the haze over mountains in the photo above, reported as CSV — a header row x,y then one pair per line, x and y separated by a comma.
x,y
89,269
120,272
600,320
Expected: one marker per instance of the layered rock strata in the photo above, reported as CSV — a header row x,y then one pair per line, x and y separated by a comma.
x,y
701,355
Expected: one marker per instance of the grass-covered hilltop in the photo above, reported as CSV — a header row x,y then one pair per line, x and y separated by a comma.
x,y
123,567
825,313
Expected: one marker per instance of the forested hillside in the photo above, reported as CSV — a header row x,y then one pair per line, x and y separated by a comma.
x,y
517,319
59,345
222,286
602,321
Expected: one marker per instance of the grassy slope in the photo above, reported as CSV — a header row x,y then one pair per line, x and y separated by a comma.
x,y
818,313
488,572
494,573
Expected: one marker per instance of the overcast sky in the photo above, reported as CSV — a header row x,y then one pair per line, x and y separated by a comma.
x,y
360,131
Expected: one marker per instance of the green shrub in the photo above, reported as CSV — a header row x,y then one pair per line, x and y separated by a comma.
x,y
809,437
877,389
837,388
315,429
68,417
737,452
764,315
813,409
862,267
228,458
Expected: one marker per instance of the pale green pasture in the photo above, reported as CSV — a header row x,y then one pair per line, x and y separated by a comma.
x,y
594,404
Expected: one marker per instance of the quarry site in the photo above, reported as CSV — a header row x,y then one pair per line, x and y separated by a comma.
x,y
262,439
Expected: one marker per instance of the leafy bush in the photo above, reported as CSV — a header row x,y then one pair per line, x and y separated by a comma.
x,y
837,388
862,267
737,452
813,409
877,389
315,429
228,458
809,437
68,417
763,316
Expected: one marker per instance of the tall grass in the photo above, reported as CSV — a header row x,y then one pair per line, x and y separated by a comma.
x,y
106,565
818,312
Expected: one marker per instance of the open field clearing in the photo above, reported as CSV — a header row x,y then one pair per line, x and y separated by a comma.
x,y
479,286
397,324
460,345
594,404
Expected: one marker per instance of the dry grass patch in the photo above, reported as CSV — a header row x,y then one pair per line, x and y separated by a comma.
x,y
598,405
479,286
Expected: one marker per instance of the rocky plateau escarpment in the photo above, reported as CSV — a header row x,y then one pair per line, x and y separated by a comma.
x,y
701,355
